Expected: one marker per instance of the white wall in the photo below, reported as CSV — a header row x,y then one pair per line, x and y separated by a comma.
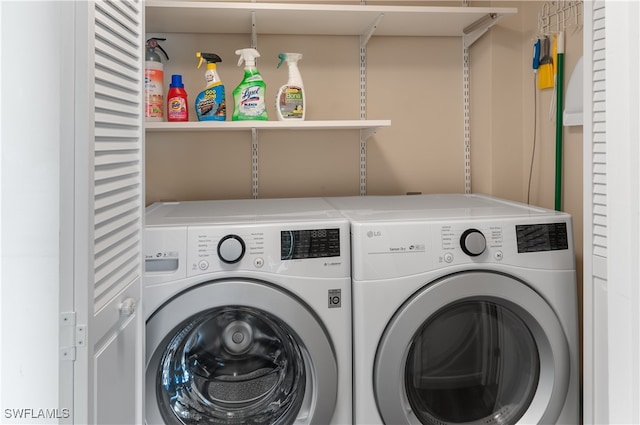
x,y
29,214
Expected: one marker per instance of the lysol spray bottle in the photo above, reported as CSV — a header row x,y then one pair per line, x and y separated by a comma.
x,y
249,96
154,81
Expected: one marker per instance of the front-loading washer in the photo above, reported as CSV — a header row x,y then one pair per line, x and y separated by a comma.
x,y
248,313
464,311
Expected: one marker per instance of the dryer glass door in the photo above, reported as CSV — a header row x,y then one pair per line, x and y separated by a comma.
x,y
472,360
473,348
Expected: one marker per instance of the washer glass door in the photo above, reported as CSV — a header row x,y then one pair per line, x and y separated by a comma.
x,y
238,352
231,364
472,348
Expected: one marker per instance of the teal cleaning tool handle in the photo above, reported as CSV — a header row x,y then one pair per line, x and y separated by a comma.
x,y
536,55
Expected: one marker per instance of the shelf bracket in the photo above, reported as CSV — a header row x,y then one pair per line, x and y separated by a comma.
x,y
364,38
477,29
365,133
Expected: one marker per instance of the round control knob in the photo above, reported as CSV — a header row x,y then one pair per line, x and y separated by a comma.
x,y
473,242
231,249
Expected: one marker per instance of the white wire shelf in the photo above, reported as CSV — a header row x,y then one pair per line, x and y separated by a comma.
x,y
369,126
171,16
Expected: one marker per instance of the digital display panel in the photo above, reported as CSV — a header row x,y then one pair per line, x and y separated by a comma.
x,y
316,243
542,237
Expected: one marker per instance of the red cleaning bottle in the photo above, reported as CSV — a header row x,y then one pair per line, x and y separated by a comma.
x,y
177,109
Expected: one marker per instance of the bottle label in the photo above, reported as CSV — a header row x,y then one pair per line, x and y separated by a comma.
x,y
177,109
252,103
211,105
291,103
153,93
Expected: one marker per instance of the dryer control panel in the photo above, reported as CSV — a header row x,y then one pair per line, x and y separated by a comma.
x,y
542,237
386,250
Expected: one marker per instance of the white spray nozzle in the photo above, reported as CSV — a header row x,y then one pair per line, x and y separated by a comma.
x,y
248,56
291,58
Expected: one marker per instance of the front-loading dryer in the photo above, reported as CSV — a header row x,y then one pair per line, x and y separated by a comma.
x,y
248,313
464,311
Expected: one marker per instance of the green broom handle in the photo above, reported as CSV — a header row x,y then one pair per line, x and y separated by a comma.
x,y
559,126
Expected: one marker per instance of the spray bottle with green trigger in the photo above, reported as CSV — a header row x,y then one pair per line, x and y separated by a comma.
x,y
249,96
290,100
210,103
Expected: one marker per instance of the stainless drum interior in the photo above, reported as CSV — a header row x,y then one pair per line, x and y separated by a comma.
x,y
231,365
238,352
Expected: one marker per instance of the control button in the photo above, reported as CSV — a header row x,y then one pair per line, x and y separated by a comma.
x,y
448,257
473,242
258,262
498,255
203,265
231,249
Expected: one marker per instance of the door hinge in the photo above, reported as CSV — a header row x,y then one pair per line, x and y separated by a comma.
x,y
72,336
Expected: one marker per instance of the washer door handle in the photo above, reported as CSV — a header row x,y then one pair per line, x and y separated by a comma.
x,y
127,307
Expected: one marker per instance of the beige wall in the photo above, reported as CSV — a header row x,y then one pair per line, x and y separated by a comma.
x,y
417,84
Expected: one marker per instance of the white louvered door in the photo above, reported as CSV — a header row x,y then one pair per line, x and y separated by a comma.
x,y
623,207
108,212
595,217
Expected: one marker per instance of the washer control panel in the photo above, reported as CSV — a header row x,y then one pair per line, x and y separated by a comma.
x,y
306,249
309,243
295,250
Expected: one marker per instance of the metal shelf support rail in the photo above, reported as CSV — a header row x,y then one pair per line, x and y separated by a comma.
x,y
466,105
254,163
365,134
254,133
472,33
